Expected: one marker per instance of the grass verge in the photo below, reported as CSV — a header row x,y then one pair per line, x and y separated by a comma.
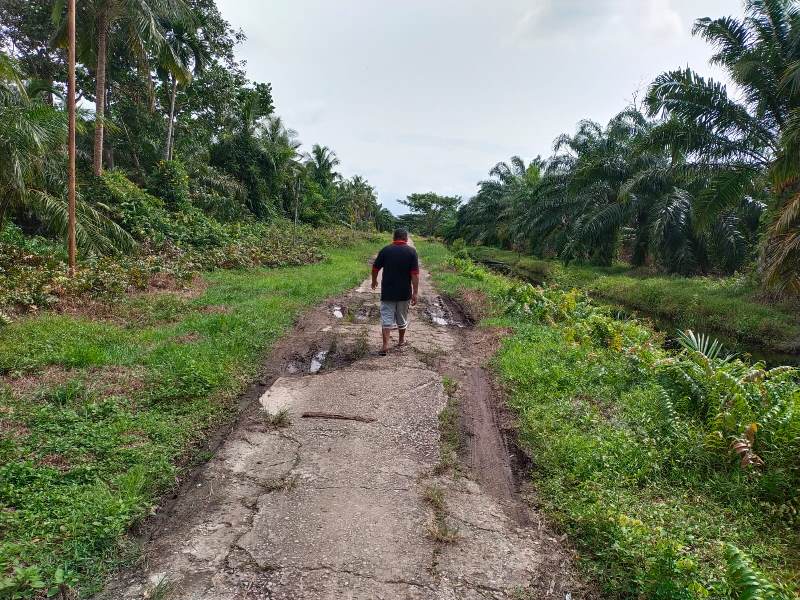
x,y
727,307
96,415
675,473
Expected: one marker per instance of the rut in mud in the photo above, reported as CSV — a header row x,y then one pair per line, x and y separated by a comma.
x,y
334,484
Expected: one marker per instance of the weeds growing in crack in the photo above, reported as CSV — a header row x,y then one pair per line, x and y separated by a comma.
x,y
290,482
439,530
434,495
286,484
521,593
361,347
278,420
449,432
162,591
450,386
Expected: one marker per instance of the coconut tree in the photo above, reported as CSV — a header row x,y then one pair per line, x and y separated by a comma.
x,y
740,144
356,203
136,23
322,162
286,172
184,53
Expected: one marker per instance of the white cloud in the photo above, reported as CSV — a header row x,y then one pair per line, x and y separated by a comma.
x,y
578,21
663,20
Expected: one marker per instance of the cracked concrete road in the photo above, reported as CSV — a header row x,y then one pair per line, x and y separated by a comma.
x,y
329,508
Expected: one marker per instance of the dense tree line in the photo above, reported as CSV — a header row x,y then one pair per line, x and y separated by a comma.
x,y
172,106
695,180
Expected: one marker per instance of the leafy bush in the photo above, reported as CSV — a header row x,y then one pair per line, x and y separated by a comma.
x,y
29,280
651,458
218,195
34,244
748,414
170,182
459,248
146,217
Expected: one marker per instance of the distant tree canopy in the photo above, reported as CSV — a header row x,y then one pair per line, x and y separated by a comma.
x,y
167,86
696,180
431,213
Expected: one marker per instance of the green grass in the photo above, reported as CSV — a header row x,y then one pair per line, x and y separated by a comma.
x,y
725,307
648,498
96,417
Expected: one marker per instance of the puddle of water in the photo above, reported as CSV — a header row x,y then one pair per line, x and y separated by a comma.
x,y
293,368
317,361
365,314
440,315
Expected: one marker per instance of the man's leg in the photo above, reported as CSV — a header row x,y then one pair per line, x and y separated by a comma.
x,y
401,317
386,332
387,323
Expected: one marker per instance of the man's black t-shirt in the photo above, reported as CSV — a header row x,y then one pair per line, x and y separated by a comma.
x,y
398,261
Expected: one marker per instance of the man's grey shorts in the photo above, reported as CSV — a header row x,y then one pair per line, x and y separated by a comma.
x,y
394,313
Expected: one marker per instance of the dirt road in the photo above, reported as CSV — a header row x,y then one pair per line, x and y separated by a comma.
x,y
355,499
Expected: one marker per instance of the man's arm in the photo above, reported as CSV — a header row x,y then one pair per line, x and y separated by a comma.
x,y
414,278
376,268
375,271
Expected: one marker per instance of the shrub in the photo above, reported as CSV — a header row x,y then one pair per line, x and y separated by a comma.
x,y
146,217
459,248
653,459
29,281
218,195
170,182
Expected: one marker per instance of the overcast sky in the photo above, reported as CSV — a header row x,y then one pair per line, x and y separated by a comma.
x,y
427,95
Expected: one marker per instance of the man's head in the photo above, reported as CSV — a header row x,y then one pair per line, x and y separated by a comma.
x,y
401,234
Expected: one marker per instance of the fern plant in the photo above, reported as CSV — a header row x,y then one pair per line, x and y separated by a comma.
x,y
703,344
746,581
751,413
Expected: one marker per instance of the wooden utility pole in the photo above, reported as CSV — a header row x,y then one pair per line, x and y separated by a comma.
x,y
71,240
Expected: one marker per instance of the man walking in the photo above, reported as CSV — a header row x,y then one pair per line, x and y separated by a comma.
x,y
399,285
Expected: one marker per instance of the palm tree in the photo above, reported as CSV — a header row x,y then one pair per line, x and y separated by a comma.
x,y
185,53
355,202
606,189
138,23
281,149
322,161
33,143
385,220
569,210
490,217
738,145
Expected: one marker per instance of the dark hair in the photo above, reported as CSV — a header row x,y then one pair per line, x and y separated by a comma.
x,y
401,233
